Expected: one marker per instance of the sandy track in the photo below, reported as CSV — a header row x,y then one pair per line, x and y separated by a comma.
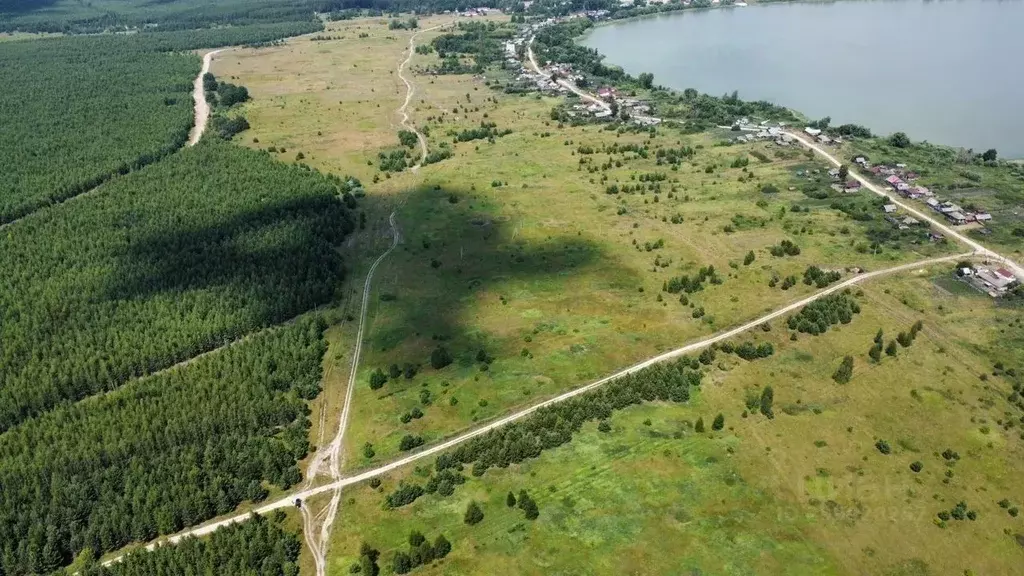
x,y
202,107
410,89
483,429
332,454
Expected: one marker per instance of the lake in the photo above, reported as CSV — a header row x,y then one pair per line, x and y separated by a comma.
x,y
948,72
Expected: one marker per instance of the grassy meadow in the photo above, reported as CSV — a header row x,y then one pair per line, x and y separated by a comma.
x,y
535,280
807,492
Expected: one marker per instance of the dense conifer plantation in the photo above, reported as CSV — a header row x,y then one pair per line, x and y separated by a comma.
x,y
78,110
158,266
160,454
258,547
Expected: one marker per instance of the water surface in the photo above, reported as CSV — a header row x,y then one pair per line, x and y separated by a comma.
x,y
950,72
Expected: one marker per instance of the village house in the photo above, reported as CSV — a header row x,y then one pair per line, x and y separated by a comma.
x,y
958,218
852,186
890,208
994,282
812,131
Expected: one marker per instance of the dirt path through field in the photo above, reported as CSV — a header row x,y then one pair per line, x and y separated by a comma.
x,y
410,89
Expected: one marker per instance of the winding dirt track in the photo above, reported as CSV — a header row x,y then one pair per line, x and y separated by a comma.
x,y
202,107
333,453
483,429
410,89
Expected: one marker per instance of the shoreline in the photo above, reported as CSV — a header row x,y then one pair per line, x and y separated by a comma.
x,y
1014,158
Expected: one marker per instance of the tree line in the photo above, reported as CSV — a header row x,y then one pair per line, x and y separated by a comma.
x,y
84,18
159,266
257,547
552,426
160,454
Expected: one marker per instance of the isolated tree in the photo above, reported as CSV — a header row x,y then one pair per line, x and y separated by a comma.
x,y
719,422
891,349
879,337
473,514
989,155
510,500
904,339
749,258
604,426
441,546
767,399
377,379
646,80
876,352
394,371
899,140
402,564
530,510
368,450
440,358
368,560
416,538
844,171
843,374
699,426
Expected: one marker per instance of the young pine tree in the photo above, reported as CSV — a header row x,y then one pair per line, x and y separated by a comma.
x,y
719,422
474,514
767,400
891,349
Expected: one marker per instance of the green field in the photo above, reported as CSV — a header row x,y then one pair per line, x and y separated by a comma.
x,y
543,275
805,493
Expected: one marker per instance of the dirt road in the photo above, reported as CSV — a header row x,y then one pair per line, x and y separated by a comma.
x,y
568,85
410,89
332,454
202,107
483,429
982,251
